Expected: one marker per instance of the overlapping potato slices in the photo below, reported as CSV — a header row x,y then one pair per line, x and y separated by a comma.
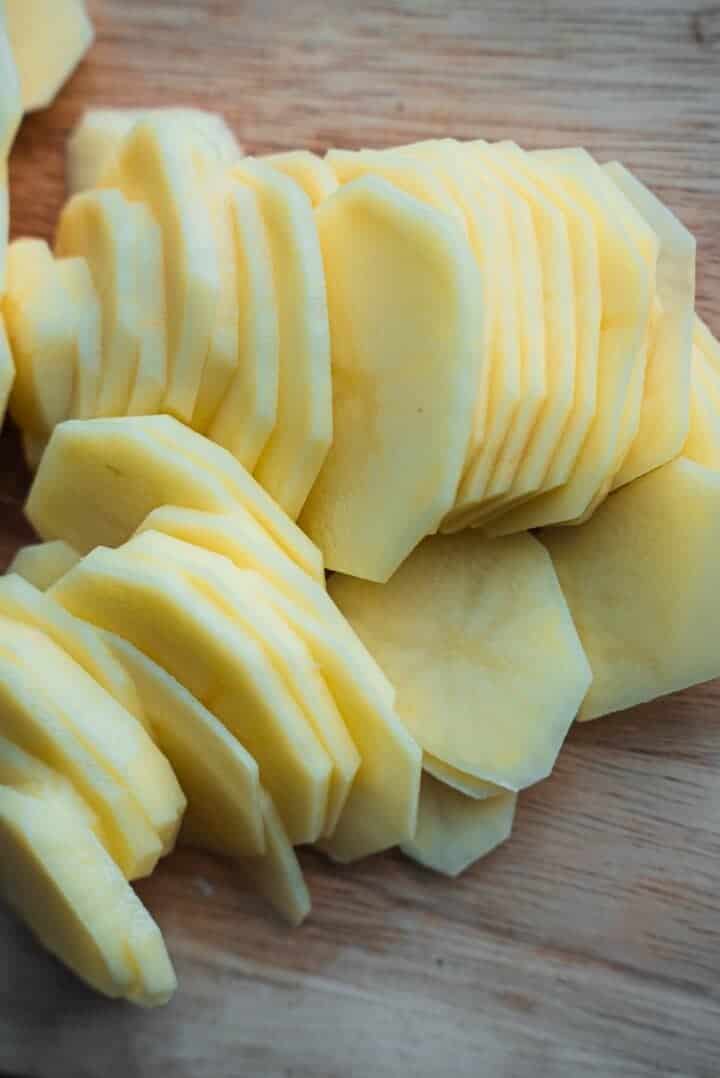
x,y
41,564
309,172
7,368
48,39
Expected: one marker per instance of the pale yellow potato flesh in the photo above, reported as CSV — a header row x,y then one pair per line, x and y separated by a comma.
x,y
419,314
40,331
459,780
241,539
7,369
99,480
4,210
664,416
707,343
11,106
41,564
218,776
225,585
709,381
638,581
309,172
33,719
468,618
100,226
60,880
247,414
455,831
703,441
27,774
49,39
299,442
173,623
156,166
76,280
151,373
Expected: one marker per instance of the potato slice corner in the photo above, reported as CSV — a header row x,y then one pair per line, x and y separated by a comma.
x,y
310,172
455,831
7,369
459,780
49,39
418,314
41,564
447,629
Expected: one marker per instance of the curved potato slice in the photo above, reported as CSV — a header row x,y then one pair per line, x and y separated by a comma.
x,y
246,415
58,878
7,369
41,564
638,581
27,774
419,314
41,336
11,106
299,442
455,831
309,172
76,279
100,226
459,780
49,39
703,441
173,623
150,384
448,629
218,776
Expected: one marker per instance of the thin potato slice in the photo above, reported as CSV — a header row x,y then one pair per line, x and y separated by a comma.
x,y
402,287
7,369
707,343
455,831
27,774
11,106
41,564
48,39
298,445
76,280
309,172
459,780
473,619
638,581
703,441
150,383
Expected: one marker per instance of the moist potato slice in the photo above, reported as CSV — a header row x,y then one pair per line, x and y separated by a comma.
x,y
703,441
309,172
417,315
41,564
707,343
151,376
7,369
455,831
11,106
468,619
459,780
48,39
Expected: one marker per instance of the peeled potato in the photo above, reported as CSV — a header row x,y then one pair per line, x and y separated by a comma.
x,y
151,376
459,780
309,172
11,106
477,638
278,875
49,39
638,581
41,564
703,441
7,370
707,343
79,291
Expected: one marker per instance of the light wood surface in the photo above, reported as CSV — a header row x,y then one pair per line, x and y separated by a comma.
x,y
590,944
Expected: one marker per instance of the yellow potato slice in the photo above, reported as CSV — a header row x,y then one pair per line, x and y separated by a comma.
x,y
459,780
703,441
27,774
76,280
248,545
155,165
41,564
246,415
666,396
49,39
40,330
707,343
99,133
100,479
11,106
402,288
7,369
100,226
455,831
225,585
62,883
448,628
299,442
173,623
150,384
32,719
309,172
218,776
637,579
708,382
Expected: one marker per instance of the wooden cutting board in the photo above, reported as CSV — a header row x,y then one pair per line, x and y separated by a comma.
x,y
590,943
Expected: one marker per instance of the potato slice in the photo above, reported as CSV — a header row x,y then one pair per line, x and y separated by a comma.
x,y
703,441
455,831
219,777
156,166
309,172
248,545
7,369
298,445
101,227
49,39
707,343
76,280
151,374
11,106
41,564
418,314
100,479
225,585
32,719
448,628
62,883
173,623
41,335
637,581
664,416
27,774
459,780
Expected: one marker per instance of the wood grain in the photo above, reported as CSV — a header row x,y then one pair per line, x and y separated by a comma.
x,y
590,944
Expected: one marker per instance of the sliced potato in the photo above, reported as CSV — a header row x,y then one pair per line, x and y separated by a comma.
x,y
455,831
151,374
309,172
246,415
27,774
7,369
637,579
703,441
299,442
76,280
49,39
41,564
219,777
459,780
278,875
11,106
472,619
707,343
173,623
402,288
